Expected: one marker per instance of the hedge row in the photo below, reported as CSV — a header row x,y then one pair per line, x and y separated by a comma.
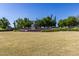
x,y
62,29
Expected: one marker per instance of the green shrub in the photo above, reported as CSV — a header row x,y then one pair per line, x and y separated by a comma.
x,y
74,29
56,30
64,29
2,28
45,30
16,30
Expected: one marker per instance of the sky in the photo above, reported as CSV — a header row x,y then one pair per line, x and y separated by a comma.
x,y
13,11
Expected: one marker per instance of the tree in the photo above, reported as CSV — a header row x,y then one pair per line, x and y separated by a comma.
x,y
61,23
27,23
19,23
53,22
69,22
4,23
77,20
15,26
22,23
38,23
46,22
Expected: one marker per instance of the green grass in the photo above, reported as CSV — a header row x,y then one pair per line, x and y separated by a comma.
x,y
39,43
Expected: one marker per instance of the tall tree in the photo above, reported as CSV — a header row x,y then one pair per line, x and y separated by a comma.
x,y
38,23
4,23
22,23
61,23
27,23
46,22
69,22
19,23
54,22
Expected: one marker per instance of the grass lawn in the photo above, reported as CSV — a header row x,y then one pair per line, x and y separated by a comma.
x,y
39,43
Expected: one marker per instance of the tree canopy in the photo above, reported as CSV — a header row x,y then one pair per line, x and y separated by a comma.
x,y
69,22
46,22
4,23
22,23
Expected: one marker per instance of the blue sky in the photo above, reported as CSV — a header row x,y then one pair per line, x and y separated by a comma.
x,y
32,11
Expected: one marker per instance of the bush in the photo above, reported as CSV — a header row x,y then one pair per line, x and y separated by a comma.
x,y
74,29
69,29
16,30
64,29
61,29
56,29
46,31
